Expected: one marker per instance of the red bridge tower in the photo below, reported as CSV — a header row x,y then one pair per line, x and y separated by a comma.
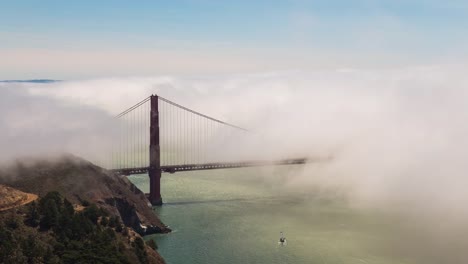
x,y
155,153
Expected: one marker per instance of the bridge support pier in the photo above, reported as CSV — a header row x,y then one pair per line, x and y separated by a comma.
x,y
155,187
155,153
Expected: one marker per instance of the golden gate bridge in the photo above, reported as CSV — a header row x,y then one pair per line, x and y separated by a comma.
x,y
157,135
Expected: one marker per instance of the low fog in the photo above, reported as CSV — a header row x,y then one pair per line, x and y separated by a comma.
x,y
397,138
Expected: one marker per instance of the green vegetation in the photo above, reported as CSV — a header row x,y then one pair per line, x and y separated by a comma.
x,y
140,251
51,231
152,244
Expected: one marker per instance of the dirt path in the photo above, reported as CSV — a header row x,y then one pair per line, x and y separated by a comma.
x,y
29,198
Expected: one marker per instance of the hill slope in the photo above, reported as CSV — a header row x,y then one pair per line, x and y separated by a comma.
x,y
80,181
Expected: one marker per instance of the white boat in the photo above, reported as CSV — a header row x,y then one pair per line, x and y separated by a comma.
x,y
282,240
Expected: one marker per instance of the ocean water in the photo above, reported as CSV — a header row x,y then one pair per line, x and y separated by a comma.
x,y
236,216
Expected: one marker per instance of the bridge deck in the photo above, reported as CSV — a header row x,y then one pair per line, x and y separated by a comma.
x,y
210,166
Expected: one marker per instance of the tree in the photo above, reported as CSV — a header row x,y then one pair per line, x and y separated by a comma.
x,y
33,217
6,244
50,214
140,250
104,221
55,196
12,222
32,250
68,209
92,213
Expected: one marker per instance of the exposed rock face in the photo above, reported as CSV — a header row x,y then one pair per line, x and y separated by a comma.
x,y
79,180
11,198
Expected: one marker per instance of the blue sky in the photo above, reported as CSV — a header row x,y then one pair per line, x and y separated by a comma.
x,y
79,39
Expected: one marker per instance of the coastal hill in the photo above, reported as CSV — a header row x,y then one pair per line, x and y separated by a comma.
x,y
80,181
110,208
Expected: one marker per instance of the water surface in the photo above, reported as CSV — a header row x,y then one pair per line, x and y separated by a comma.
x,y
235,216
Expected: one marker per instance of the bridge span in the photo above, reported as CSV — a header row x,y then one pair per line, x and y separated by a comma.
x,y
210,166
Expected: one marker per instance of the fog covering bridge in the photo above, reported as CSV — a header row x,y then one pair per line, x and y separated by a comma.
x,y
157,135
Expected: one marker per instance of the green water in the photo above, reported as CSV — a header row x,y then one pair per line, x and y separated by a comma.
x,y
235,216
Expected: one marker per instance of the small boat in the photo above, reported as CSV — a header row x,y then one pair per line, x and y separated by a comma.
x,y
282,240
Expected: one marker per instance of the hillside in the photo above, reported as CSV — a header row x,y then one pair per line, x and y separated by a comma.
x,y
52,230
80,181
84,186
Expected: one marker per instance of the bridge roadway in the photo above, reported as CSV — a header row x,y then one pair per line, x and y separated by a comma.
x,y
211,166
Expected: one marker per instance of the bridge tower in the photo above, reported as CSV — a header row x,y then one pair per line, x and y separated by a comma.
x,y
155,153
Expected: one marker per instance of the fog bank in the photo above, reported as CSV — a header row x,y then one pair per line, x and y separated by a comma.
x,y
397,136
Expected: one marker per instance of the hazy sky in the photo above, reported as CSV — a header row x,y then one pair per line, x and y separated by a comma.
x,y
83,39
